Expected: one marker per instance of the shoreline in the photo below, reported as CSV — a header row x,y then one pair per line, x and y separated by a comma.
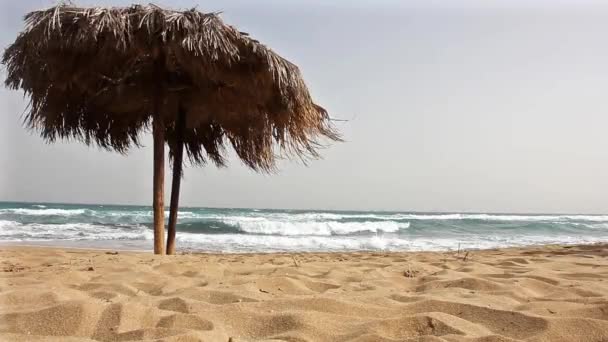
x,y
92,248
539,293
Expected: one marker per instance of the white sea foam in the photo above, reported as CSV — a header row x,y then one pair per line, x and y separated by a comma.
x,y
270,243
44,212
313,216
493,217
15,231
498,217
147,214
257,231
261,225
5,224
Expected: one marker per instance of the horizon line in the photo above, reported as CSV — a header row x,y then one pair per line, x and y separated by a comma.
x,y
317,209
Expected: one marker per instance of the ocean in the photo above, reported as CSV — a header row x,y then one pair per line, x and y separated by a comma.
x,y
262,230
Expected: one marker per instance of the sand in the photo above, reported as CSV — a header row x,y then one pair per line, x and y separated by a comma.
x,y
551,293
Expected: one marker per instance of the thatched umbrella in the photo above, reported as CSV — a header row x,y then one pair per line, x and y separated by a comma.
x,y
102,75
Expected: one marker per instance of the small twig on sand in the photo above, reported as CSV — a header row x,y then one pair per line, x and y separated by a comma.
x,y
465,256
295,262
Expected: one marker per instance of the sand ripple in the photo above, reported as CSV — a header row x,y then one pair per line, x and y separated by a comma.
x,y
535,294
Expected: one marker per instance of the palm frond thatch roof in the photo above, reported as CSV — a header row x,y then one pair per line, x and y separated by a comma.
x,y
97,75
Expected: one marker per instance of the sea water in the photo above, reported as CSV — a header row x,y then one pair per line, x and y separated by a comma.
x,y
262,230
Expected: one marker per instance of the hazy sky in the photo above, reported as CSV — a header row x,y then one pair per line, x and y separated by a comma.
x,y
453,105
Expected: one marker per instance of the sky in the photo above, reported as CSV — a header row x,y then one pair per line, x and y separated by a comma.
x,y
461,105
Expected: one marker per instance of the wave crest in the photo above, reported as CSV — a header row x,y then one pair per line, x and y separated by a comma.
x,y
264,226
44,212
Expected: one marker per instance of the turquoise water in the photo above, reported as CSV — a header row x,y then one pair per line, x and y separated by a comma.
x,y
256,230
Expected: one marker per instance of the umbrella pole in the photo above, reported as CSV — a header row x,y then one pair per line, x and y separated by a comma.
x,y
177,177
158,132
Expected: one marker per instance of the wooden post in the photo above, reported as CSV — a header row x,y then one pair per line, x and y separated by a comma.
x,y
158,133
158,202
180,126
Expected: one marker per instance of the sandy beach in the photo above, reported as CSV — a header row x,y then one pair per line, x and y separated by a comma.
x,y
550,293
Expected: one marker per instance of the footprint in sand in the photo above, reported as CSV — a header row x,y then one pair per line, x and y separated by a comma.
x,y
185,321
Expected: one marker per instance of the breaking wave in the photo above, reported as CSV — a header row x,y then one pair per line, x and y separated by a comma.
x,y
265,226
258,230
